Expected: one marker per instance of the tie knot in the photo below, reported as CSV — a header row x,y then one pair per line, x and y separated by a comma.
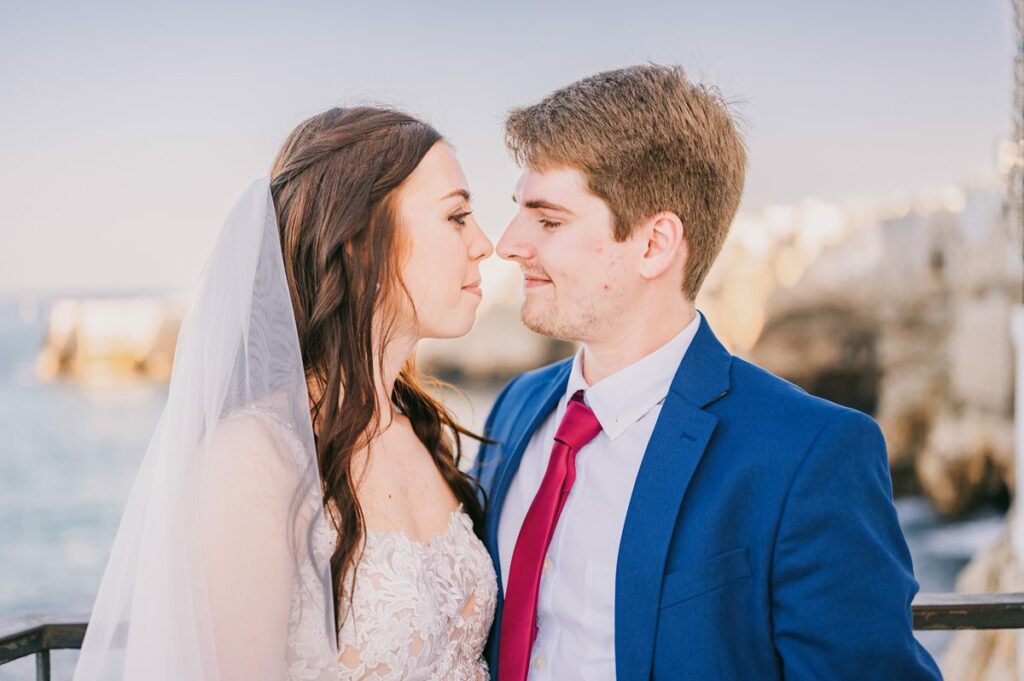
x,y
579,424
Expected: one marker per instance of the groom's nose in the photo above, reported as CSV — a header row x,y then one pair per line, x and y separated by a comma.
x,y
513,244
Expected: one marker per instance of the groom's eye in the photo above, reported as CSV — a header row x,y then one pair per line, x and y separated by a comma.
x,y
549,224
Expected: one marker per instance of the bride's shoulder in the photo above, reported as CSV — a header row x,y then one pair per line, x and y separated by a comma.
x,y
256,449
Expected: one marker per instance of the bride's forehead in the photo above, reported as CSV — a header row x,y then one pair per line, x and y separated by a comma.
x,y
439,173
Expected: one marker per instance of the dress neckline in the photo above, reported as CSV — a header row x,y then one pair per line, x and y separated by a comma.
x,y
429,544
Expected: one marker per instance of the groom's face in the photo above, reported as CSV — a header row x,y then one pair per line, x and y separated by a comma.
x,y
575,275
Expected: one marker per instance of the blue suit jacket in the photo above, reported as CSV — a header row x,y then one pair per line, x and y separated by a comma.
x,y
760,541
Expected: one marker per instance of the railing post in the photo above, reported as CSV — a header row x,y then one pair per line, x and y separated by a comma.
x,y
43,665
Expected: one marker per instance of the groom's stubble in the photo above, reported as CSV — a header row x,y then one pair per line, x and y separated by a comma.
x,y
571,314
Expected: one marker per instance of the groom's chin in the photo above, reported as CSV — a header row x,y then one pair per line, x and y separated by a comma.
x,y
540,321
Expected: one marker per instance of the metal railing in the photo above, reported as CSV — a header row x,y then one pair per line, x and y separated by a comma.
x,y
39,634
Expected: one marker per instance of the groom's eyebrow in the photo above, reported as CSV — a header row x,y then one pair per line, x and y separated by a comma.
x,y
541,204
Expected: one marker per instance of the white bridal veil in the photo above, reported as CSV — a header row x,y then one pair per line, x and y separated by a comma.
x,y
220,558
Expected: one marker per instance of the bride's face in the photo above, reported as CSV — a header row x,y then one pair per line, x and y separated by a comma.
x,y
443,246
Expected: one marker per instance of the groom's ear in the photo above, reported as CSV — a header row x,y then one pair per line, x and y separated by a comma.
x,y
663,245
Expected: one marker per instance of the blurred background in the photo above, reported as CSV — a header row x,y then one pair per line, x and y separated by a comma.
x,y
875,260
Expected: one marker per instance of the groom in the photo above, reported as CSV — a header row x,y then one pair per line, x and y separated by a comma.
x,y
659,508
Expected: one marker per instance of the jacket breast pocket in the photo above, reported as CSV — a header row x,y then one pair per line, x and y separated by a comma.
x,y
690,581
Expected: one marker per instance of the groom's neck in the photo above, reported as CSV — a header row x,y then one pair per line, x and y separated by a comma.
x,y
633,339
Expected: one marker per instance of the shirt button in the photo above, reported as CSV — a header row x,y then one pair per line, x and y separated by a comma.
x,y
547,565
538,662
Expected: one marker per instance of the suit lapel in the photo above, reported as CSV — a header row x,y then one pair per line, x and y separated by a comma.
x,y
677,444
528,417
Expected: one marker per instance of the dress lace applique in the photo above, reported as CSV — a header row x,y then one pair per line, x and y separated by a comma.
x,y
420,611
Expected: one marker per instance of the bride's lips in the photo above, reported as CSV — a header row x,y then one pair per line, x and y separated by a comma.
x,y
475,289
534,282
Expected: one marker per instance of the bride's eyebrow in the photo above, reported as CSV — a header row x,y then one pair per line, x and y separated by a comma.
x,y
464,193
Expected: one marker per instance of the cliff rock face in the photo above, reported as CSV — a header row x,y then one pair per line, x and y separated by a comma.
x,y
907,318
966,456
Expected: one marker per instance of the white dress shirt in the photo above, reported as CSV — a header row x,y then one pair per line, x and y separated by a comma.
x,y
576,602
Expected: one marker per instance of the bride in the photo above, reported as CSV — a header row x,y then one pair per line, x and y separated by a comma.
x,y
300,512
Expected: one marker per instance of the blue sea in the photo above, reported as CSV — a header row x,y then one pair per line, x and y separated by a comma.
x,y
69,455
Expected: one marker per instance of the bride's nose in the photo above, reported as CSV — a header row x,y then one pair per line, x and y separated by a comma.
x,y
481,247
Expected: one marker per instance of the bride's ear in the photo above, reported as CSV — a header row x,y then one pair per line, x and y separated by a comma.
x,y
663,244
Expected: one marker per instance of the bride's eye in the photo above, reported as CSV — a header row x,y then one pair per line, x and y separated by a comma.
x,y
549,224
460,218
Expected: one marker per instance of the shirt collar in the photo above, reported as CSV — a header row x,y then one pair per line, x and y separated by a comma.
x,y
622,399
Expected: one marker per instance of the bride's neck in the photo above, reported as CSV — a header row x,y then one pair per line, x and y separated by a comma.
x,y
395,354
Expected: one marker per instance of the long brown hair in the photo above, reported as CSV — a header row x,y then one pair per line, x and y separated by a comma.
x,y
334,186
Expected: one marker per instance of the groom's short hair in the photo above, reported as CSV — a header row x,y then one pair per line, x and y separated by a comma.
x,y
647,140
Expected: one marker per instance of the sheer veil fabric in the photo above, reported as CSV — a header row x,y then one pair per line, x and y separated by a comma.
x,y
219,534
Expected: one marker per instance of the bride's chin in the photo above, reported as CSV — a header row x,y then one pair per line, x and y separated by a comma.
x,y
471,322
468,327
454,331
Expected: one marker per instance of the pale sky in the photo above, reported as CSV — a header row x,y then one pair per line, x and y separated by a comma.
x,y
126,132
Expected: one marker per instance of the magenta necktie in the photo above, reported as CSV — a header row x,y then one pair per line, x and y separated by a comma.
x,y
519,617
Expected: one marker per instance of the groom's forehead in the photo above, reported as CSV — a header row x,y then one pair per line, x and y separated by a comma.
x,y
544,184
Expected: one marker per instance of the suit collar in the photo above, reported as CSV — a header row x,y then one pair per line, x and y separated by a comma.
x,y
703,375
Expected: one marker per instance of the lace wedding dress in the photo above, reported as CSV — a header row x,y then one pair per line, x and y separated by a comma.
x,y
418,611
